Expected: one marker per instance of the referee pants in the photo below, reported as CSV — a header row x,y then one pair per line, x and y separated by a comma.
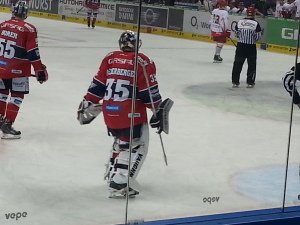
x,y
243,52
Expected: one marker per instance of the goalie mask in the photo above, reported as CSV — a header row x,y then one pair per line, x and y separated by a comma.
x,y
20,10
128,41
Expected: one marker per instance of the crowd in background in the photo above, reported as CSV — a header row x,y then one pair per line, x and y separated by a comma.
x,y
265,8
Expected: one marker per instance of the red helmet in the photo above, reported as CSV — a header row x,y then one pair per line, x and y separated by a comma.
x,y
251,11
222,3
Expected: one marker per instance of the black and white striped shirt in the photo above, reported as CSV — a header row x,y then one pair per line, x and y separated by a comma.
x,y
288,83
248,31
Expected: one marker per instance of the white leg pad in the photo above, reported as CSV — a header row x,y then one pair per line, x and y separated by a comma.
x,y
138,156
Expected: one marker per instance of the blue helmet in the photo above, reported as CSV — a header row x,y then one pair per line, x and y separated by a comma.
x,y
127,41
20,9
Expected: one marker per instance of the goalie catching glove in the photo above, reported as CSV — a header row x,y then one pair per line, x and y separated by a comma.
x,y
41,75
88,111
160,119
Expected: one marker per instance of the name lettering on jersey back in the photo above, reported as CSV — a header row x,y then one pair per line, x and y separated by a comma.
x,y
14,26
9,34
120,72
120,61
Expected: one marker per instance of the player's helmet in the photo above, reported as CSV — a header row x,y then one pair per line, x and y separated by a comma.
x,y
251,11
20,9
222,3
127,41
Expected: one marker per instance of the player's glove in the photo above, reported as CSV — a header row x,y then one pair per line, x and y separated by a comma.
x,y
155,121
160,118
88,111
41,75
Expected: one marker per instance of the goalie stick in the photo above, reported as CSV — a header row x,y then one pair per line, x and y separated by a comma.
x,y
168,104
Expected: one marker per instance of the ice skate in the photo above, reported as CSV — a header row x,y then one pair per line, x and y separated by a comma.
x,y
2,120
9,132
235,85
250,85
120,190
217,59
93,26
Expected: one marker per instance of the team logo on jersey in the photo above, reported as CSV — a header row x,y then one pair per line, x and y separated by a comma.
x,y
16,71
3,62
113,108
134,115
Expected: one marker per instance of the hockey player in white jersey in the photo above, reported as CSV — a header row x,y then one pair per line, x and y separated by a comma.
x,y
219,28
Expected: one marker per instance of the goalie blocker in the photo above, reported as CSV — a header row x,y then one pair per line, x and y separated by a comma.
x,y
160,119
88,111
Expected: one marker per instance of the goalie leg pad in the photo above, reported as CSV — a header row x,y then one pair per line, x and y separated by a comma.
x,y
138,155
111,161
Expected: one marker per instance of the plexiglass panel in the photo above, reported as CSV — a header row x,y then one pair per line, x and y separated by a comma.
x,y
54,173
227,148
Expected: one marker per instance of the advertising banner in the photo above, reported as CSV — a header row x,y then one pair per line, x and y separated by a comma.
x,y
154,17
75,8
48,6
282,32
175,19
126,13
107,11
198,22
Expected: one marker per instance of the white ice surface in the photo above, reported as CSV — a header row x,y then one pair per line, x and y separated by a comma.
x,y
223,142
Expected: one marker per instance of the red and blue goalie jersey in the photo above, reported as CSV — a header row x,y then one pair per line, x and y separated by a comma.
x,y
18,49
114,84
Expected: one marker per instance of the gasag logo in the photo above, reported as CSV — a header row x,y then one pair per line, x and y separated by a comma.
x,y
289,33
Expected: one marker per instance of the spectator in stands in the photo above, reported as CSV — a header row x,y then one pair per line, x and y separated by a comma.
x,y
247,3
279,11
296,5
170,2
263,8
231,7
241,9
288,11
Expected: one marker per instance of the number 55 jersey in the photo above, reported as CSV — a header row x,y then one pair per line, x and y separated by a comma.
x,y
114,83
18,49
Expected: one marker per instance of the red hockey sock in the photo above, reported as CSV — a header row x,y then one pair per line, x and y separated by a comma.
x,y
93,21
4,94
13,106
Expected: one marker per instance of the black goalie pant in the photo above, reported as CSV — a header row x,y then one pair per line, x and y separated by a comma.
x,y
242,52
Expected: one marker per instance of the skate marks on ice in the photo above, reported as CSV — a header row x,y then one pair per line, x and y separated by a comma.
x,y
266,184
268,99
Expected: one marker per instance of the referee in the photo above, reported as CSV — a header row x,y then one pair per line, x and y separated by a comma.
x,y
248,32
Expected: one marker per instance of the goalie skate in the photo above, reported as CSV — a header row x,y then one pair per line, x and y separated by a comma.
x,y
120,191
